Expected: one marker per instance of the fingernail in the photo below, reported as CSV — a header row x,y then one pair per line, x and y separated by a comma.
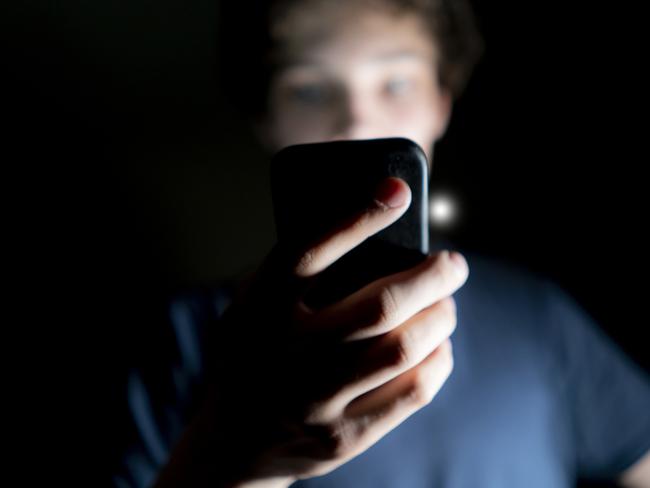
x,y
459,262
390,193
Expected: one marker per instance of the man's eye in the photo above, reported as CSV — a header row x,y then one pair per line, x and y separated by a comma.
x,y
398,86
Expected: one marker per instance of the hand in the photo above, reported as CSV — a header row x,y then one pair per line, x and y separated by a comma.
x,y
297,392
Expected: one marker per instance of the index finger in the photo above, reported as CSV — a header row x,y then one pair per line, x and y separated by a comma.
x,y
291,270
392,199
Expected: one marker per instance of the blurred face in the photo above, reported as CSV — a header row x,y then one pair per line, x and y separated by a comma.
x,y
372,76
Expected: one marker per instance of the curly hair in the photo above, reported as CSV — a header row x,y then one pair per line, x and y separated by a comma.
x,y
250,35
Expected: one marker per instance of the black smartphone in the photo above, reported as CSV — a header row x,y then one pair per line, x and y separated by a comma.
x,y
316,186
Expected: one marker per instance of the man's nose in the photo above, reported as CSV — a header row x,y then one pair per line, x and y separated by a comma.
x,y
357,119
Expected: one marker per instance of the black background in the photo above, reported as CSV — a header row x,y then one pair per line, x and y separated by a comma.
x,y
108,102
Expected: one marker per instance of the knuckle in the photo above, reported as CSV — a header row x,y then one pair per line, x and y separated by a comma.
x,y
447,366
386,307
450,304
424,386
445,270
451,323
433,262
420,391
442,317
305,262
450,316
446,359
450,355
401,351
335,397
450,363
336,439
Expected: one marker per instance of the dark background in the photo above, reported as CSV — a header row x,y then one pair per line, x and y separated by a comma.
x,y
129,178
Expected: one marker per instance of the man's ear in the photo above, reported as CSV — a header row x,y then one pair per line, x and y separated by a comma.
x,y
444,106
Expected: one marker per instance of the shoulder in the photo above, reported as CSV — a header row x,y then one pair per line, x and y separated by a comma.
x,y
524,307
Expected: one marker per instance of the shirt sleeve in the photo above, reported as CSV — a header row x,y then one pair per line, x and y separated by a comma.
x,y
165,390
607,394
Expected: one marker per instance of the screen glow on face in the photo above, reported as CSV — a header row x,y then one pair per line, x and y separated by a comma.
x,y
388,83
374,78
392,76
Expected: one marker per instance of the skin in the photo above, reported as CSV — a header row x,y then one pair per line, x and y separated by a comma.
x,y
637,475
374,78
391,339
347,394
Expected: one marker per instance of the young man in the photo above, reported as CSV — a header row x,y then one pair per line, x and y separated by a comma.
x,y
262,391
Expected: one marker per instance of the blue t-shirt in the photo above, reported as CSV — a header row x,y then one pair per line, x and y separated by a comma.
x,y
538,397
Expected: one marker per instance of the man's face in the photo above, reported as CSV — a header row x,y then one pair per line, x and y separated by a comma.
x,y
369,77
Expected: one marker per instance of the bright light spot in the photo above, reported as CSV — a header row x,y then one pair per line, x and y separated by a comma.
x,y
442,210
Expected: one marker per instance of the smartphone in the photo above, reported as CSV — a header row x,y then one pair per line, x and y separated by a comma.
x,y
316,186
